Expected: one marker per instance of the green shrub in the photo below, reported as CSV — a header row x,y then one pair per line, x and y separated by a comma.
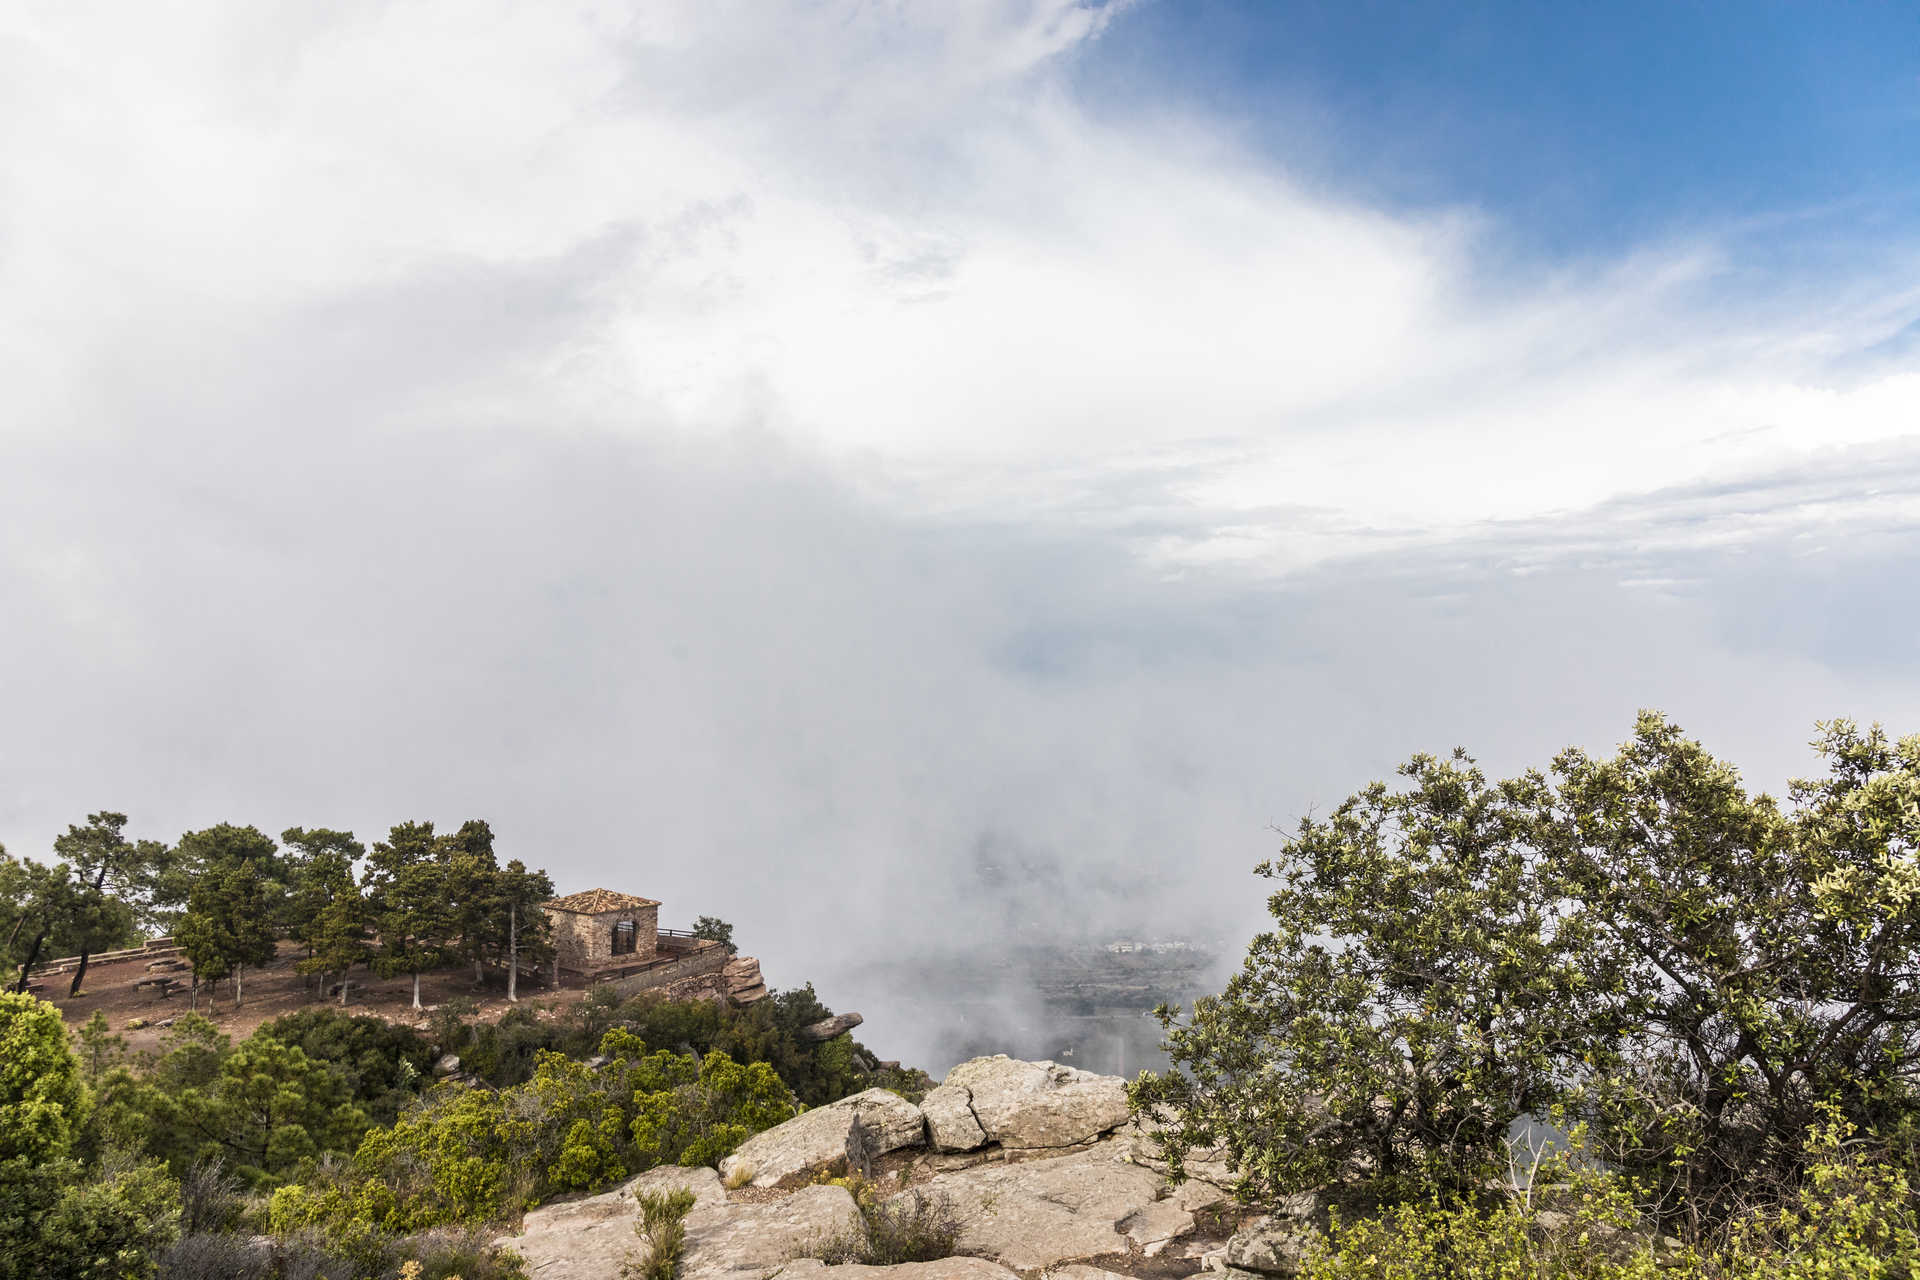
x,y
913,1226
663,1227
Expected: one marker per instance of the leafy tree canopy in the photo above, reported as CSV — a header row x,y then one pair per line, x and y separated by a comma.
x,y
1633,944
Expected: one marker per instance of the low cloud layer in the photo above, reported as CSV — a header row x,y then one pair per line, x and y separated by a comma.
x,y
783,461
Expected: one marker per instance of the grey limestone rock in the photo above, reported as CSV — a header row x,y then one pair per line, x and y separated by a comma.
x,y
815,1139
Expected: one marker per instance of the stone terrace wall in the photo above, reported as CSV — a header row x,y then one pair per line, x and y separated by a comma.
x,y
710,957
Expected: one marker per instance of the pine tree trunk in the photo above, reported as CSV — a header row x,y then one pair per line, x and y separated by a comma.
x,y
479,976
236,984
416,991
79,975
513,952
346,978
33,954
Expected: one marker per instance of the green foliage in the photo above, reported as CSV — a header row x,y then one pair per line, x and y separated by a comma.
x,y
235,885
476,1155
1759,954
110,1225
714,929
43,1103
329,912
263,1107
1633,944
1409,1004
1855,1216
59,1218
663,1227
914,1226
408,895
116,880
100,1048
504,1053
381,1063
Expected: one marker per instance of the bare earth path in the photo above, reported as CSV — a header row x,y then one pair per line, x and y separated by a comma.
x,y
273,990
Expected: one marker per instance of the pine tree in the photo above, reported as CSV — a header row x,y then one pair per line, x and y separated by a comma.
x,y
529,937
116,878
407,888
228,925
339,932
471,873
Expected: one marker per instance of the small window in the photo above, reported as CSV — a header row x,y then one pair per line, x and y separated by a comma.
x,y
624,935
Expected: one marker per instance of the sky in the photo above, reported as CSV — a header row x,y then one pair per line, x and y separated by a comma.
x,y
798,461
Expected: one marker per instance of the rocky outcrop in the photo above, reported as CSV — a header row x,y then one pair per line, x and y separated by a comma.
x,y
951,1124
828,1028
1037,1162
1039,1212
743,983
817,1139
589,1239
1026,1105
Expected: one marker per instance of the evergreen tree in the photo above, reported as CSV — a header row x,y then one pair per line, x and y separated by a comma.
x,y
338,933
407,889
116,880
529,935
49,905
471,873
228,923
330,913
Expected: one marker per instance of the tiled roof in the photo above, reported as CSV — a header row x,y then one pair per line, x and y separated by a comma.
x,y
591,902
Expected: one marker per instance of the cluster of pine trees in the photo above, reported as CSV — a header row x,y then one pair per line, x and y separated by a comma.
x,y
414,902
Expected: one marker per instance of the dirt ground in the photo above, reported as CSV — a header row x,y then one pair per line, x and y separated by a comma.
x,y
272,990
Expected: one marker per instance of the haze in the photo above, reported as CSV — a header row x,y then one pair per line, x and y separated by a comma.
x,y
782,459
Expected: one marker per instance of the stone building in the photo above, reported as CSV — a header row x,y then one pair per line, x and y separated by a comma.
x,y
599,930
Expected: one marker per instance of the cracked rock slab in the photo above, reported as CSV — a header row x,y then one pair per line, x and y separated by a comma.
x,y
1041,1212
1038,1104
815,1139
951,1124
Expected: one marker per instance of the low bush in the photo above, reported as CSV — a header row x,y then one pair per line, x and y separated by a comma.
x,y
663,1227
913,1226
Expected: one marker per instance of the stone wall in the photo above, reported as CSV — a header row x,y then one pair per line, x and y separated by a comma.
x,y
584,943
708,958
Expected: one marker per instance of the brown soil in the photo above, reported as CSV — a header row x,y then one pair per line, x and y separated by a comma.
x,y
274,989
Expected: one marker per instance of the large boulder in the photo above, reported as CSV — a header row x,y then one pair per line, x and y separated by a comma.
x,y
951,1124
827,1028
743,982
1036,1213
1025,1105
815,1139
589,1239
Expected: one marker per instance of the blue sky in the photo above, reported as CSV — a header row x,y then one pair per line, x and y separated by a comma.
x,y
1584,127
761,454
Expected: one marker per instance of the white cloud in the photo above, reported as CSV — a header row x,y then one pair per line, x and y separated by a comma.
x,y
762,452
